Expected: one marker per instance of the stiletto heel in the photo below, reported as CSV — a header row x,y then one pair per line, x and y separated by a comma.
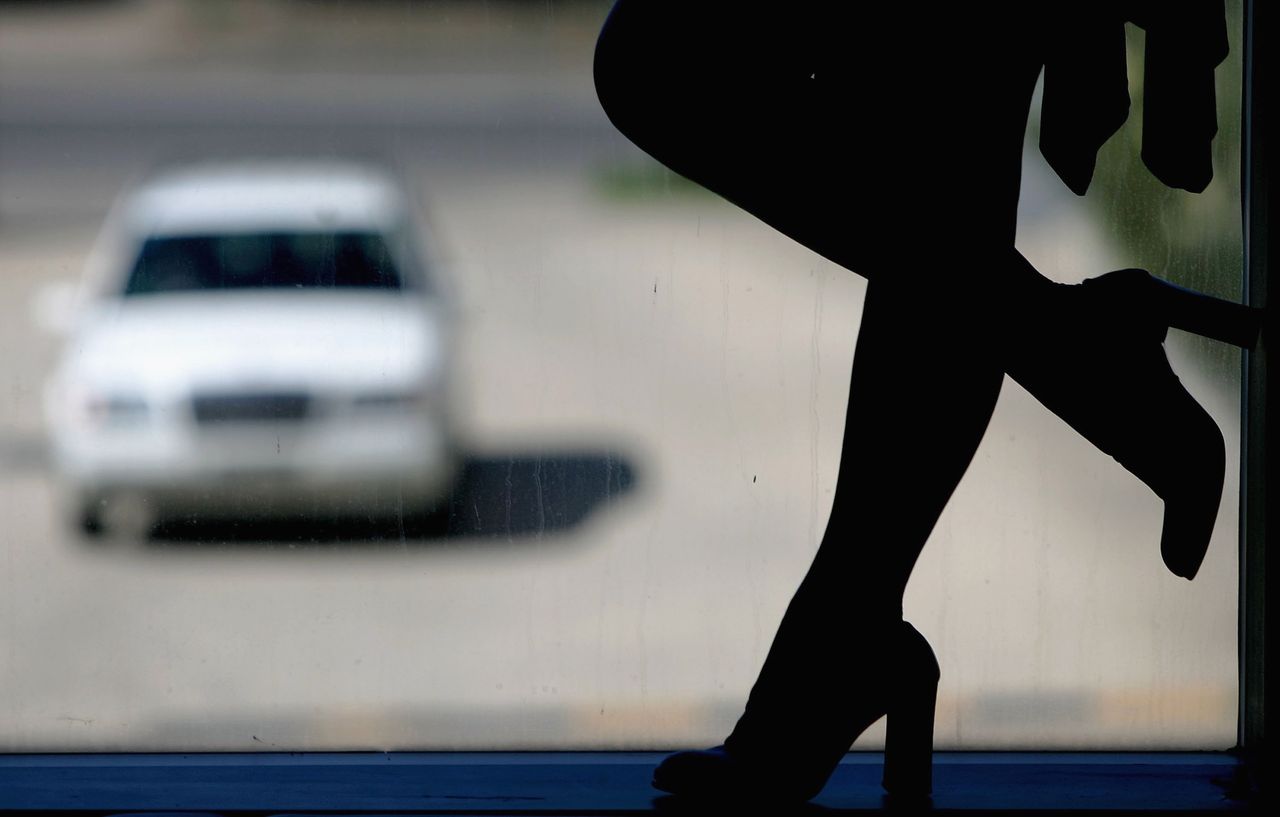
x,y
908,746
1097,361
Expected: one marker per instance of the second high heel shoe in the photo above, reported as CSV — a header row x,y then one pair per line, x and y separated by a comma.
x,y
902,685
1096,359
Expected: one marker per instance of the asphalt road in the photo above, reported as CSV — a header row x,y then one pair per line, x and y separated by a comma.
x,y
686,365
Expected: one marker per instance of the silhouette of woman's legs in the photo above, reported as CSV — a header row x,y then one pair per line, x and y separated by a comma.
x,y
771,112
920,398
893,148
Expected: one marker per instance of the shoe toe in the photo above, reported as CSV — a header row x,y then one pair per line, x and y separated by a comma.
x,y
714,774
702,771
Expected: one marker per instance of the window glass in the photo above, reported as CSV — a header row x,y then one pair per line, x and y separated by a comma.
x,y
561,498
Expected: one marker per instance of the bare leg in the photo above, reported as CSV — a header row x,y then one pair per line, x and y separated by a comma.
x,y
920,399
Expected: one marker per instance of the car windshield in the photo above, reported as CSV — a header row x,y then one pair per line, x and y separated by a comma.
x,y
348,260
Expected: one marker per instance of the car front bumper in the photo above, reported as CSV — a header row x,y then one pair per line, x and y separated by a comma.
x,y
377,466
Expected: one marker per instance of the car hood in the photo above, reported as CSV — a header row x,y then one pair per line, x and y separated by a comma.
x,y
335,341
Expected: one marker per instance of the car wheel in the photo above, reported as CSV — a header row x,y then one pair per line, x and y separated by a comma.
x,y
119,518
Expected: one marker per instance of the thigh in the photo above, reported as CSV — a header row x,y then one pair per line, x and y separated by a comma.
x,y
826,122
729,97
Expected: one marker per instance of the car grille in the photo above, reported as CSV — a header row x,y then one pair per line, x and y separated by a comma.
x,y
250,408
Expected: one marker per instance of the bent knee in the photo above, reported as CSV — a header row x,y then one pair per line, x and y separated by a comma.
x,y
624,70
644,62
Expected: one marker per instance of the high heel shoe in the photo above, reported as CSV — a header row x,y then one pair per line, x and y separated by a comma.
x,y
1096,359
904,689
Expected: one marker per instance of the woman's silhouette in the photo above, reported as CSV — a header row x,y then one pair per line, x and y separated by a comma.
x,y
889,139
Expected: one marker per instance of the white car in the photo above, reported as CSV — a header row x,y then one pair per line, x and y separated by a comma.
x,y
256,340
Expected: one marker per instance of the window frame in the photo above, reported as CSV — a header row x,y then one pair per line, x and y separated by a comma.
x,y
1258,627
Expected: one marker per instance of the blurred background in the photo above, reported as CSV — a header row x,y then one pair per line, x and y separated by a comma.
x,y
646,402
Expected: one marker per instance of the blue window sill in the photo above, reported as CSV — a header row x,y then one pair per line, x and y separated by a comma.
x,y
579,783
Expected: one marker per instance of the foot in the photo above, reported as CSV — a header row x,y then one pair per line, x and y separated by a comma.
x,y
715,774
1097,361
699,772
